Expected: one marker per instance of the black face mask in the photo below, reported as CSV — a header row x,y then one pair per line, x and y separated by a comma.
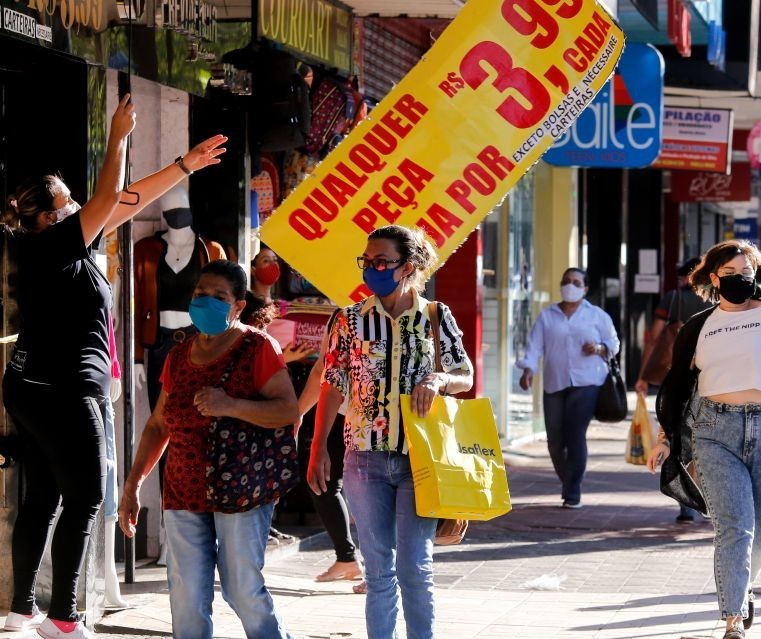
x,y
736,288
178,218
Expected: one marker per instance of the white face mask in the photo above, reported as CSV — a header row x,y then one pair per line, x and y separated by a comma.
x,y
66,211
571,293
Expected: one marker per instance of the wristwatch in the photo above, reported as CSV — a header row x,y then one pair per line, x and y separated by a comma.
x,y
179,162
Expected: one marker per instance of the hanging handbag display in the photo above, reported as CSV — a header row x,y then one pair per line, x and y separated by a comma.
x,y
247,465
456,459
658,363
611,402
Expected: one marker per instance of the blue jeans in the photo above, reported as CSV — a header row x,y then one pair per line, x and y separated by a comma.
x,y
234,544
727,453
396,544
567,414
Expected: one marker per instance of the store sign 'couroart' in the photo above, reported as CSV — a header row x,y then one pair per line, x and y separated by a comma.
x,y
501,84
317,28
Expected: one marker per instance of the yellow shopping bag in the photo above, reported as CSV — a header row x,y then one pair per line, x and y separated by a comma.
x,y
456,459
640,440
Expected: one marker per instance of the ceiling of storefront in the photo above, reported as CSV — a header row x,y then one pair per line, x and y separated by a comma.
x,y
411,8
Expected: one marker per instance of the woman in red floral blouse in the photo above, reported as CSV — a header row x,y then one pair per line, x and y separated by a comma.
x,y
223,474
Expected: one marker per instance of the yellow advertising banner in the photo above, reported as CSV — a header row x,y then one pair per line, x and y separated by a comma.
x,y
499,86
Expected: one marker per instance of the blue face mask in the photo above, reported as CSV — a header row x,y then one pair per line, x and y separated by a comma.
x,y
382,283
209,315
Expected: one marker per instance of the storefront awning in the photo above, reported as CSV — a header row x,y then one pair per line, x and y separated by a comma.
x,y
405,8
241,9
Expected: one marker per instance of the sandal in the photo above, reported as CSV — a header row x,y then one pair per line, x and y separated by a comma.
x,y
276,534
736,631
348,570
360,588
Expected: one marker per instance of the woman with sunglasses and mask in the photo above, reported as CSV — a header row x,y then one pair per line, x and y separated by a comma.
x,y
378,349
59,375
218,500
709,408
576,339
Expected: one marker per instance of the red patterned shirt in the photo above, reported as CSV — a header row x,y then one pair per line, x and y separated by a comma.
x,y
185,472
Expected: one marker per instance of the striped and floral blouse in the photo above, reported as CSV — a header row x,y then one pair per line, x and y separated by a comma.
x,y
373,358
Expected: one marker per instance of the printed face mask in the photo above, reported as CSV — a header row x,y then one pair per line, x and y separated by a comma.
x,y
178,218
209,315
66,211
269,274
571,293
382,283
736,288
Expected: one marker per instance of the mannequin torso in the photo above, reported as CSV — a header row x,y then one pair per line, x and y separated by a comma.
x,y
180,245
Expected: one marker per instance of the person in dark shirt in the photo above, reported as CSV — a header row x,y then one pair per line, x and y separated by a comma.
x,y
59,376
678,305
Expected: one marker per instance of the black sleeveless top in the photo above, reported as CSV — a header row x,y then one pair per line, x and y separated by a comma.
x,y
175,290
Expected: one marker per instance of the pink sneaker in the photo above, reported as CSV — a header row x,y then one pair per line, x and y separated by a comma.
x,y
49,630
15,622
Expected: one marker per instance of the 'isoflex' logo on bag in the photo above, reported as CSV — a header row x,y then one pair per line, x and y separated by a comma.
x,y
475,449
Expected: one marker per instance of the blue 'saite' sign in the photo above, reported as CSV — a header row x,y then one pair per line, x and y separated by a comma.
x,y
622,126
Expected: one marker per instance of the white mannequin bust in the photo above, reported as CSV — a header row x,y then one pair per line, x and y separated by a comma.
x,y
180,239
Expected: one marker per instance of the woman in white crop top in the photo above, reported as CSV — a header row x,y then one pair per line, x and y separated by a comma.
x,y
726,444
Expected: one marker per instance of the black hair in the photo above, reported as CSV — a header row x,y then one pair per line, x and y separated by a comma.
x,y
685,268
232,272
262,247
33,196
413,247
580,271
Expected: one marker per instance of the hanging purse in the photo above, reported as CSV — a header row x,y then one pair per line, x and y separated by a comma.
x,y
247,465
656,366
449,532
611,402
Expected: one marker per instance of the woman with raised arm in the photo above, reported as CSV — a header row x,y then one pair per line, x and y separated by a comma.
x,y
59,374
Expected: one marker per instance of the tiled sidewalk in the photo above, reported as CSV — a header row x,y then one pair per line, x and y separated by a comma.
x,y
625,569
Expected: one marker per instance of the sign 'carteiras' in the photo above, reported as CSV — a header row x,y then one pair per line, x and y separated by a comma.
x,y
622,126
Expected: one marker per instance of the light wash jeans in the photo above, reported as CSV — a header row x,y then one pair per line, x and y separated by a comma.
x,y
234,544
727,451
396,544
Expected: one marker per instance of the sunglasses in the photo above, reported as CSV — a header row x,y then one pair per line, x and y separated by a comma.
x,y
378,263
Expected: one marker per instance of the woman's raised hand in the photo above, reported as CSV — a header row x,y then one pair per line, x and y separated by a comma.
x,y
205,153
124,118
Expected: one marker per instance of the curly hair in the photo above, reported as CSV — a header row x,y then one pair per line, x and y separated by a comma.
x,y
258,313
716,257
413,247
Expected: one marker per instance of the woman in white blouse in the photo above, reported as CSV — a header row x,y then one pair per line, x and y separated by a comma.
x,y
576,339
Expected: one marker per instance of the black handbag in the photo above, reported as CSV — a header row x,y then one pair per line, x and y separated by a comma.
x,y
611,402
679,483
